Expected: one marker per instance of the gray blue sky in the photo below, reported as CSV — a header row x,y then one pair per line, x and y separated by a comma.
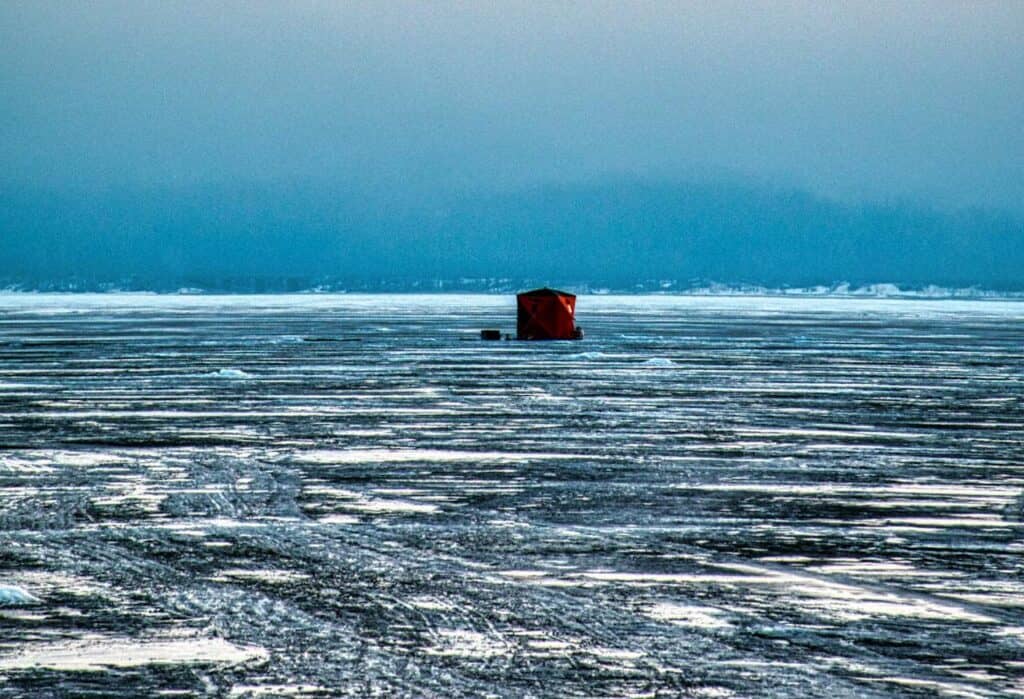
x,y
854,100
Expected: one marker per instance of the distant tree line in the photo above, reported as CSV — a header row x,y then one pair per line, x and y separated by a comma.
x,y
288,237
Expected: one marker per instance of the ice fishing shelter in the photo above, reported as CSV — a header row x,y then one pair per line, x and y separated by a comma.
x,y
546,314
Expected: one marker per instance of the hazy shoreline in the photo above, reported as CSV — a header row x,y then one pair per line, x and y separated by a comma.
x,y
503,287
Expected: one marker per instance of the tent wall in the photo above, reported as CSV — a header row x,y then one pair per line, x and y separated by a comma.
x,y
545,314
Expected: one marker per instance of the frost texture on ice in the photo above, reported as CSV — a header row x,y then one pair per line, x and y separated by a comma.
x,y
819,497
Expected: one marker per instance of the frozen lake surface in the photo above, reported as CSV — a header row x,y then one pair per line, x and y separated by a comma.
x,y
321,495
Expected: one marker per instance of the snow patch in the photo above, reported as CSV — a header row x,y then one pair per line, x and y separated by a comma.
x,y
686,615
271,576
14,596
97,654
229,374
462,642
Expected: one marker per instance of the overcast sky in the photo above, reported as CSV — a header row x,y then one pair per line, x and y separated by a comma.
x,y
856,100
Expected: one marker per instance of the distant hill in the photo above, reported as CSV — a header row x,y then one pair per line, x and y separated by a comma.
x,y
277,238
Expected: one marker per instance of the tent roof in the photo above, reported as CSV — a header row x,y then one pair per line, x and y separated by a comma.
x,y
545,291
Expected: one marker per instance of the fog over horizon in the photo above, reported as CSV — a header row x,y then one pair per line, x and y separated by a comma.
x,y
134,134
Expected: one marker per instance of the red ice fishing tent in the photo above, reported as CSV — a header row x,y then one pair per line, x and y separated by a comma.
x,y
546,314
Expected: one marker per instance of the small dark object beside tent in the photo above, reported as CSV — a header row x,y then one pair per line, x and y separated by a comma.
x,y
546,314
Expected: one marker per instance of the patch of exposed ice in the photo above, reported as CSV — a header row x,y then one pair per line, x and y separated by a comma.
x,y
14,596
